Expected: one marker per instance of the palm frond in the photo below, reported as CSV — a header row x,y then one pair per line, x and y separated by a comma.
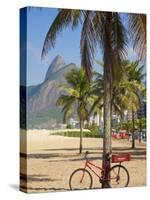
x,y
119,37
101,64
97,103
74,77
64,18
118,108
137,30
67,114
88,43
119,45
65,100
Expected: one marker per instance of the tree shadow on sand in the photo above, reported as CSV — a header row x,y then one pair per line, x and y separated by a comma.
x,y
42,189
36,178
73,149
56,155
128,149
35,189
76,159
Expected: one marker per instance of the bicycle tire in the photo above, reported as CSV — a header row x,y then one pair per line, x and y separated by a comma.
x,y
75,173
126,174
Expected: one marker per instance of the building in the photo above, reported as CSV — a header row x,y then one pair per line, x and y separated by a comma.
x,y
95,119
129,115
73,122
115,119
141,113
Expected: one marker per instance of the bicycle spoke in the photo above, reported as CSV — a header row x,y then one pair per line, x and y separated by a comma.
x,y
119,176
80,179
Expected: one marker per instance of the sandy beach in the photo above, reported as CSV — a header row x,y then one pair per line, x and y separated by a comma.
x,y
51,160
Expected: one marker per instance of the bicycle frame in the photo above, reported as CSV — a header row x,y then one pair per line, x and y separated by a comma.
x,y
89,165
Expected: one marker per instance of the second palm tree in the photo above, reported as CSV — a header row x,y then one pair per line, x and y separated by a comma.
x,y
76,96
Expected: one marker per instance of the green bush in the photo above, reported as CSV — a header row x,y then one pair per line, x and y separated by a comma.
x,y
94,134
69,126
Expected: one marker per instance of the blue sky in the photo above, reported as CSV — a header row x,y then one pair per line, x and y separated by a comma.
x,y
67,44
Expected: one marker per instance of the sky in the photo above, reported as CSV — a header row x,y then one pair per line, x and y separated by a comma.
x,y
67,44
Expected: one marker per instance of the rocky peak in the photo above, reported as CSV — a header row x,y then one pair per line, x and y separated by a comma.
x,y
55,66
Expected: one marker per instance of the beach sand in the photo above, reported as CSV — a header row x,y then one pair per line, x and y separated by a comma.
x,y
51,159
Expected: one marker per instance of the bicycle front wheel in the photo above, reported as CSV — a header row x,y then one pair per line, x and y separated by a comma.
x,y
80,179
119,176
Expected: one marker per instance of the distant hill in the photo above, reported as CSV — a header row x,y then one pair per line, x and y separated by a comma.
x,y
42,110
23,107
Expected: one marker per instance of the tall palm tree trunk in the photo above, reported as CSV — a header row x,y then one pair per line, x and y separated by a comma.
x,y
133,133
81,132
101,120
107,130
140,131
107,101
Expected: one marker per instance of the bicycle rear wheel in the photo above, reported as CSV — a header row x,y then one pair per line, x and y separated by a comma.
x,y
80,179
119,176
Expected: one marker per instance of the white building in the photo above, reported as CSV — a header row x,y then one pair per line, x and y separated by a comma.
x,y
73,122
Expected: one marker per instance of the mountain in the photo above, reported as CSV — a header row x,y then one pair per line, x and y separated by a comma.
x,y
41,106
23,107
55,66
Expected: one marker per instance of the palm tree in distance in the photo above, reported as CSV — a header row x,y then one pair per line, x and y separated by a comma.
x,y
136,74
99,29
77,95
127,93
129,100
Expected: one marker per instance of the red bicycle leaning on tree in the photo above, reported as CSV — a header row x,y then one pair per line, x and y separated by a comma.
x,y
118,175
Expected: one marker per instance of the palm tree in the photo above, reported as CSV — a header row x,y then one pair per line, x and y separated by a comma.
x,y
77,95
98,91
127,125
130,101
136,74
140,124
127,92
99,29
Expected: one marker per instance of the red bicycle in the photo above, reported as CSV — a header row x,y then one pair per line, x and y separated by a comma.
x,y
118,175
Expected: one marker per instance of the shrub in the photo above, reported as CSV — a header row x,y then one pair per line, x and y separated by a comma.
x,y
69,126
95,134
